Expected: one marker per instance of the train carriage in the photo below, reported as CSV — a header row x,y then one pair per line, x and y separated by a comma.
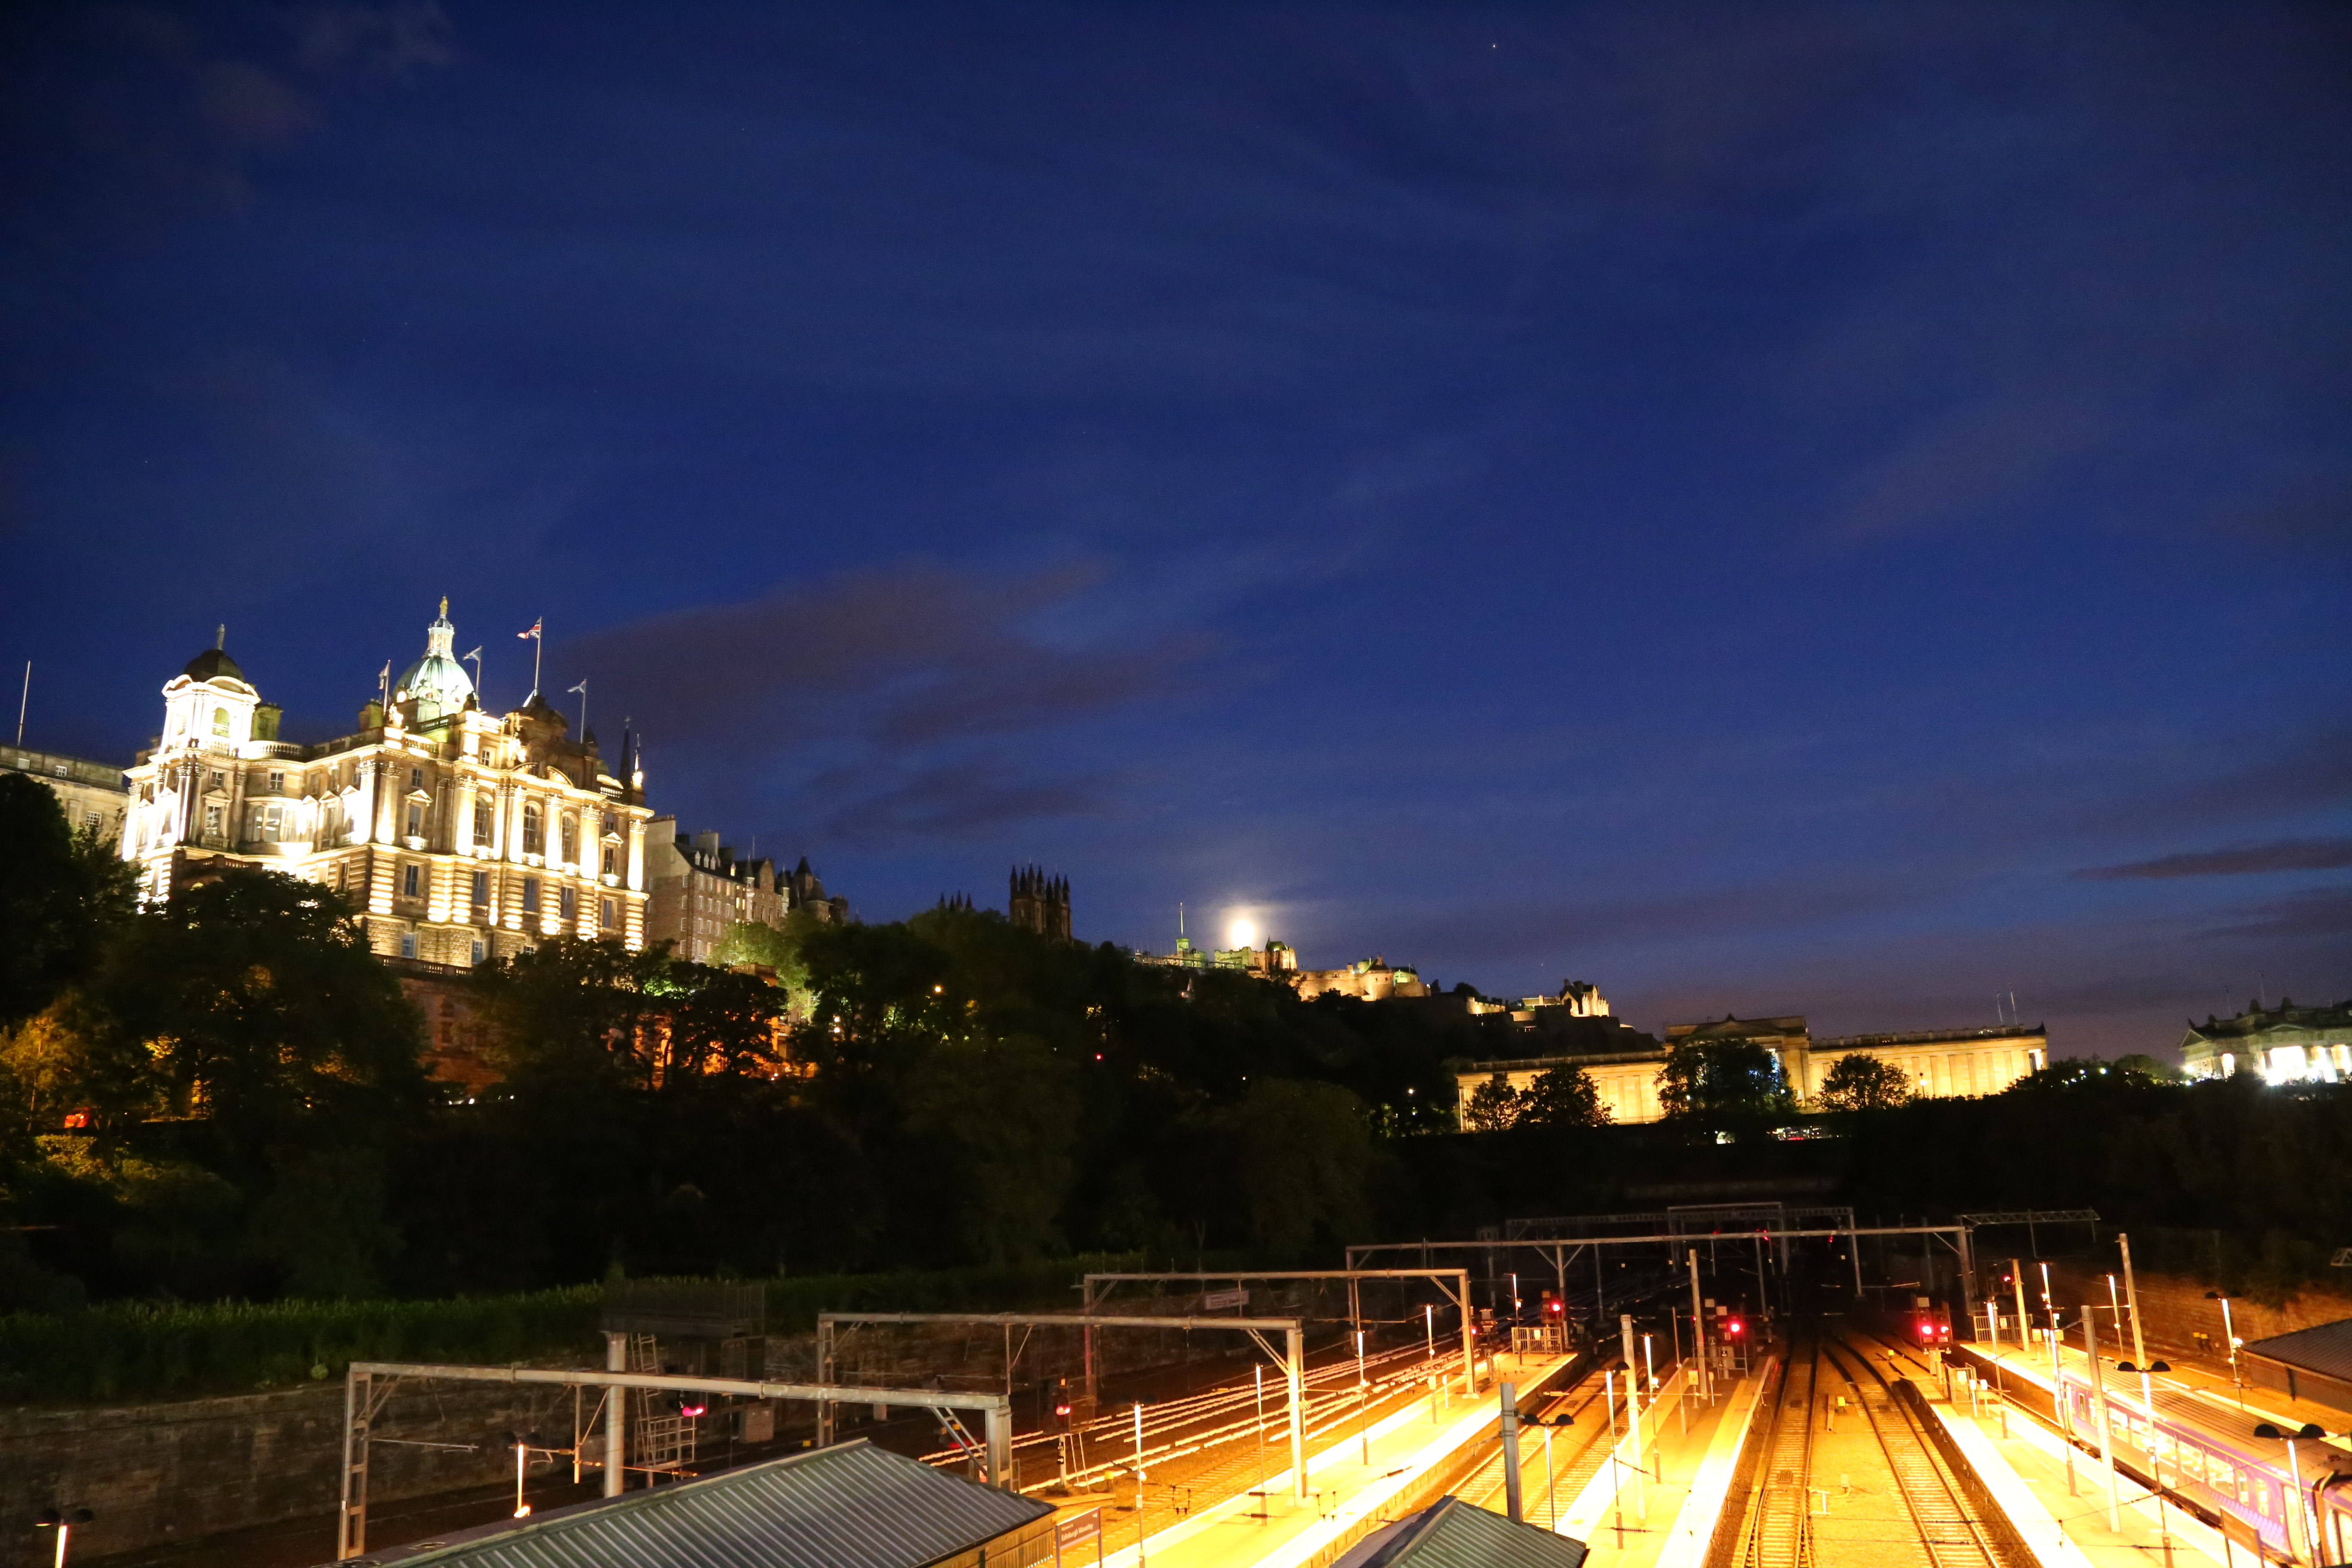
x,y
2292,1496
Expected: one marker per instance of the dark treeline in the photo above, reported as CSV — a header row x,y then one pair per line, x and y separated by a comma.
x,y
2231,1181
252,1118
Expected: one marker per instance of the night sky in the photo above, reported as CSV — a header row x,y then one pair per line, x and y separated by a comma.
x,y
1838,509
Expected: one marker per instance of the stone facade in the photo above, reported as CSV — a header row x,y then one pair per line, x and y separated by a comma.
x,y
1040,903
1950,1063
91,794
1374,979
2286,1043
460,835
697,887
158,1474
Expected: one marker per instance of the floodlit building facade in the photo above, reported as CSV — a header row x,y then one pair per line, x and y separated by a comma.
x,y
2286,1043
90,794
460,835
1939,1064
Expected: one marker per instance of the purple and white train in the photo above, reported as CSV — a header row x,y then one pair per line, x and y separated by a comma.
x,y
2281,1493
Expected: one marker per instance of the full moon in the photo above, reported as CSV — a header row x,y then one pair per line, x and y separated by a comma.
x,y
1243,935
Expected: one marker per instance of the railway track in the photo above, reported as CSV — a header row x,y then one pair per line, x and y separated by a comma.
x,y
1949,1532
1778,1530
1574,1462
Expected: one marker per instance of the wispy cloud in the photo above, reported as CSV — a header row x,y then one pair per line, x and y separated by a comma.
x,y
2314,912
2283,855
900,702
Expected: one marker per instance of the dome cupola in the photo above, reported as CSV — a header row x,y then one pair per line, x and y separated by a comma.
x,y
437,683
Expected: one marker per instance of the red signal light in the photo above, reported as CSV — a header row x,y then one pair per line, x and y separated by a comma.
x,y
1735,1325
1926,1329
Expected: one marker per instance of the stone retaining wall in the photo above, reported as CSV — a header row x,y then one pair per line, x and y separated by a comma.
x,y
155,1474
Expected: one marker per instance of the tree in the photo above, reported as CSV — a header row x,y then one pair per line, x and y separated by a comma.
x,y
61,892
1721,1078
714,1021
253,1000
572,1011
1562,1096
1864,1083
776,948
1493,1107
1301,1152
2086,1073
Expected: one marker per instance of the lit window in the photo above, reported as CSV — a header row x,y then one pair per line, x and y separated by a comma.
x,y
408,944
571,837
478,950
212,822
278,783
220,722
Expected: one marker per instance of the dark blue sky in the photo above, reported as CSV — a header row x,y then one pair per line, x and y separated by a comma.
x,y
1826,509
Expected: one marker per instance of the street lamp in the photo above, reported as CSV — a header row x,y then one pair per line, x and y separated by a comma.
x,y
62,1520
2230,1334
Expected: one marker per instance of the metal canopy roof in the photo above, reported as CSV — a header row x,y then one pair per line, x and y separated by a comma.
x,y
2325,1349
849,1506
1451,1533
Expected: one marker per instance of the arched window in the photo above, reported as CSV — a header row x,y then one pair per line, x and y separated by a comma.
x,y
534,829
220,722
571,837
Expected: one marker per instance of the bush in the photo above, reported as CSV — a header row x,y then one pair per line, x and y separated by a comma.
x,y
133,1351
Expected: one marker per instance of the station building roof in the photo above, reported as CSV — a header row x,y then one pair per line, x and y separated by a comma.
x,y
849,1506
1451,1533
2325,1349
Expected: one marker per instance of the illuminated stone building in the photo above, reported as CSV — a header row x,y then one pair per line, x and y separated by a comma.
x,y
1040,903
2286,1043
696,887
459,835
90,794
1374,979
1946,1063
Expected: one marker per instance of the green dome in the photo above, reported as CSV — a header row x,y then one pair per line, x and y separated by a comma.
x,y
437,683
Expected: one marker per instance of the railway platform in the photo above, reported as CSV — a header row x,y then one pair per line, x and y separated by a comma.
x,y
1355,1480
1663,1514
2065,1520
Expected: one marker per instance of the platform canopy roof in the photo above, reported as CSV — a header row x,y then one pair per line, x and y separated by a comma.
x,y
848,1506
1451,1533
2325,1349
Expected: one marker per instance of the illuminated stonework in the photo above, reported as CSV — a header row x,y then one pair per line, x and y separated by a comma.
x,y
459,835
1940,1064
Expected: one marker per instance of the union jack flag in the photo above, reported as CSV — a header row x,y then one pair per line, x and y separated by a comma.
x,y
534,628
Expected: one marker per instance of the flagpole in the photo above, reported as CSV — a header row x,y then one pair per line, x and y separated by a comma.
x,y
538,648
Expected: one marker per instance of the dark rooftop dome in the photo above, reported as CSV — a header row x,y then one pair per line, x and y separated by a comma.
x,y
210,663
